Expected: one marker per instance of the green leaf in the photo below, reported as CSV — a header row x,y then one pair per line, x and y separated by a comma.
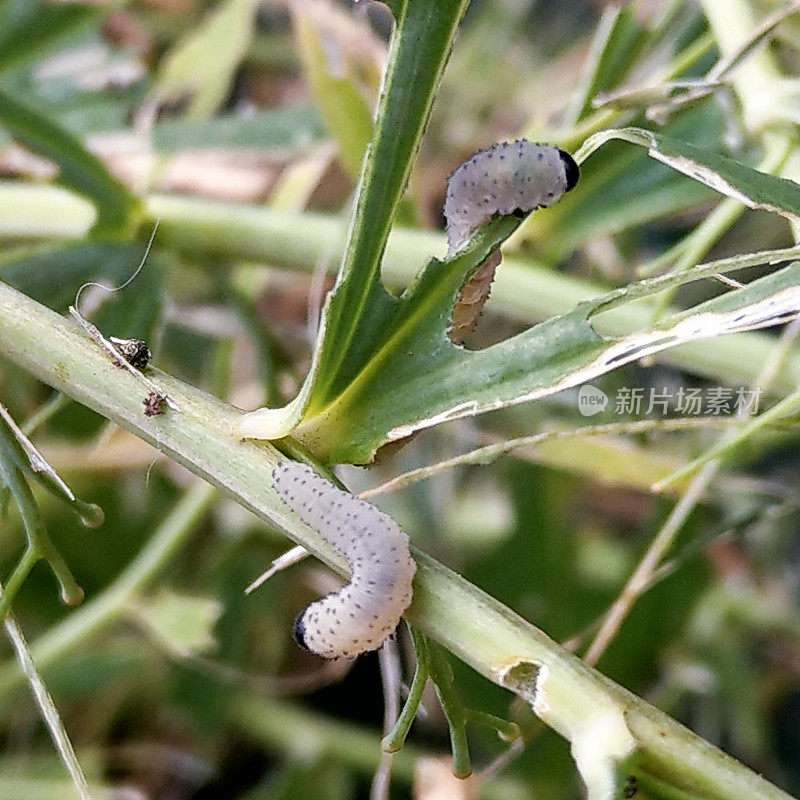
x,y
203,63
728,177
359,305
29,28
423,38
181,624
395,6
335,74
117,208
441,382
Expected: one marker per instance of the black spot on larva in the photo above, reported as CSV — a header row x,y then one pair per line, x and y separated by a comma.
x,y
571,170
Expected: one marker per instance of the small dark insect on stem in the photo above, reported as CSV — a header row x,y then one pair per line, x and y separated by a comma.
x,y
134,351
154,404
118,357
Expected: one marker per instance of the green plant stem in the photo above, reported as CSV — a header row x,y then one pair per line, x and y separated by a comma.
x,y
507,731
609,116
442,677
32,465
474,626
732,22
110,604
396,738
39,544
492,452
47,708
785,408
17,578
523,290
44,413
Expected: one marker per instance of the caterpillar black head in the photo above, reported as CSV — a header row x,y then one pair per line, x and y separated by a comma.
x,y
299,631
508,178
571,170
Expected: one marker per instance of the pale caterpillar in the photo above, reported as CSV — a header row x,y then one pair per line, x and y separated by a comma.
x,y
361,615
510,178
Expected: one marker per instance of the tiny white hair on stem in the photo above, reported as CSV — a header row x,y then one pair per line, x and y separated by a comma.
x,y
284,561
112,289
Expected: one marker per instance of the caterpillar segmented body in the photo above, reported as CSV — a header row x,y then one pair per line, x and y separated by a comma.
x,y
509,178
361,615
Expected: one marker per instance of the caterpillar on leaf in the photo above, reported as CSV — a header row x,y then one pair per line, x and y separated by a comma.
x,y
509,178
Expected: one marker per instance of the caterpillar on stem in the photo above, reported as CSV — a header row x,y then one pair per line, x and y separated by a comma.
x,y
361,615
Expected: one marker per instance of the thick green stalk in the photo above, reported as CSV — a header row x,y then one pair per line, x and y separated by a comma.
x,y
522,290
603,721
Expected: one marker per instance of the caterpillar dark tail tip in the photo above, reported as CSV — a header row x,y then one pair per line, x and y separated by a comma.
x,y
299,631
571,170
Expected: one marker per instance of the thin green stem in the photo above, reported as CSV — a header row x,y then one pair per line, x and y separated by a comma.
x,y
642,575
71,593
508,731
39,544
16,579
608,116
396,738
33,465
45,412
104,609
491,452
441,674
732,22
780,411
46,706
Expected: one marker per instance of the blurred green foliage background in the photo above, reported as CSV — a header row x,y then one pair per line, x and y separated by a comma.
x,y
189,689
